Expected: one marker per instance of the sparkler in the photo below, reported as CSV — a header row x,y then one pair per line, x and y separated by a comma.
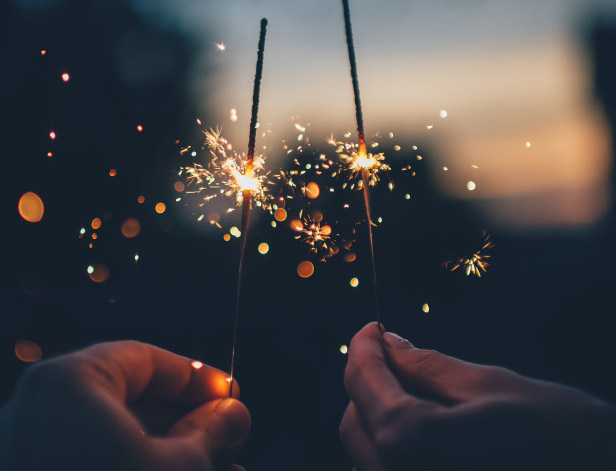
x,y
248,185
362,162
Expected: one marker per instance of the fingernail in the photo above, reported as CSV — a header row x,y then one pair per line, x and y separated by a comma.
x,y
235,417
395,341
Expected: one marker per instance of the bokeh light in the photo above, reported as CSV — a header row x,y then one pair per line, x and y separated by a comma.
x,y
197,365
425,308
141,199
296,225
263,248
65,77
179,187
28,351
130,228
354,282
139,127
305,269
471,185
96,223
280,214
52,135
312,190
160,208
349,257
113,172
344,349
31,207
226,237
99,273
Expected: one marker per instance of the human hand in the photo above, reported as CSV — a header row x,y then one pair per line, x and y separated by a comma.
x,y
419,409
122,406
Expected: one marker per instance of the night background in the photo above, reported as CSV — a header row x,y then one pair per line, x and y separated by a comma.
x,y
530,107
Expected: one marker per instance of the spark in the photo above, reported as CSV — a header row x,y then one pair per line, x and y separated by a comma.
x,y
220,46
228,174
65,77
355,160
315,234
477,262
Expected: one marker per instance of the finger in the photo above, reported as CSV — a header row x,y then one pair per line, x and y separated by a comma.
x,y
357,442
436,375
130,369
369,382
219,427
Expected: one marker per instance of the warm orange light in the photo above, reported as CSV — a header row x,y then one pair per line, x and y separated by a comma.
x,y
364,160
344,349
349,257
317,215
296,225
263,248
312,190
66,77
52,135
43,52
130,228
139,127
280,214
246,182
98,273
197,365
96,223
28,351
49,154
31,207
160,208
94,235
226,237
305,269
326,230
354,282
113,172
141,199
178,186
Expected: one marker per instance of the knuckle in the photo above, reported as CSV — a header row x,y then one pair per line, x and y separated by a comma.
x,y
426,361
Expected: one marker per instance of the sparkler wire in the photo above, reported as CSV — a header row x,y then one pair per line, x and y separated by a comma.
x,y
247,194
362,146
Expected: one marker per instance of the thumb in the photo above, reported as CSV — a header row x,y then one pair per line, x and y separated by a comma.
x,y
220,427
434,374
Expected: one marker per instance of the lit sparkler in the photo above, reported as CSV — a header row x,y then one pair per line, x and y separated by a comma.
x,y
476,263
229,174
362,161
248,189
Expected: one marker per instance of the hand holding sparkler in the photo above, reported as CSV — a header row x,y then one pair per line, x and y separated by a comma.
x,y
122,406
419,409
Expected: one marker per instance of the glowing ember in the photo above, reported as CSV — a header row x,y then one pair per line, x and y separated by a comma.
x,y
160,208
52,135
227,174
197,365
354,282
425,308
66,77
263,248
139,127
